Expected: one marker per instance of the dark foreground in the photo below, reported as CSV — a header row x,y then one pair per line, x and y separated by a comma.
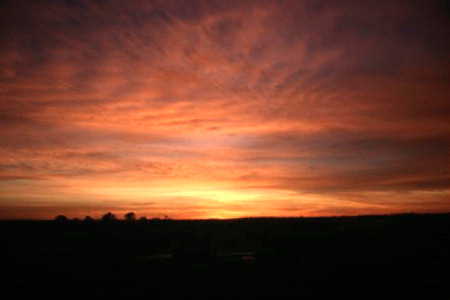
x,y
403,255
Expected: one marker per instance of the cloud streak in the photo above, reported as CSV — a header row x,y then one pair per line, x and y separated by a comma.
x,y
224,108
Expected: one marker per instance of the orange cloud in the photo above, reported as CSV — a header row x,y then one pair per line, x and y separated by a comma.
x,y
223,109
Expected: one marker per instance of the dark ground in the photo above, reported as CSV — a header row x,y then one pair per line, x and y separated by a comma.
x,y
402,255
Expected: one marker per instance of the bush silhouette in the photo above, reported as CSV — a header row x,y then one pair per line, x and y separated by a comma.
x,y
88,219
143,219
130,217
61,219
109,217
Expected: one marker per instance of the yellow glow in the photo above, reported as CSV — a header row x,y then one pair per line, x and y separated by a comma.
x,y
220,195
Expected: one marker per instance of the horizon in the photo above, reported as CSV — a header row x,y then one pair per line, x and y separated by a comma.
x,y
214,109
121,218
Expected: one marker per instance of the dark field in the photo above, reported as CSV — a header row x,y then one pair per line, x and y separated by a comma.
x,y
402,255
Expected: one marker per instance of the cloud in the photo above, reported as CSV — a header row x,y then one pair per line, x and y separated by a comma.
x,y
304,97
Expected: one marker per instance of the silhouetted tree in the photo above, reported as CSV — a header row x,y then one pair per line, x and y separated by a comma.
x,y
143,220
61,219
108,217
88,219
130,217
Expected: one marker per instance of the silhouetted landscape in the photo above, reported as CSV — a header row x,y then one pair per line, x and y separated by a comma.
x,y
391,255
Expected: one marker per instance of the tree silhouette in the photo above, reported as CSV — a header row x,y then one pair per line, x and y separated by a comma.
x,y
143,220
109,217
61,219
130,217
88,219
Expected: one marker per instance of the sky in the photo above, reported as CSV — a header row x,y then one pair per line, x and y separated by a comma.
x,y
224,109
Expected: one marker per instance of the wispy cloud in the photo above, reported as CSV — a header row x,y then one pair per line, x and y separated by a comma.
x,y
225,108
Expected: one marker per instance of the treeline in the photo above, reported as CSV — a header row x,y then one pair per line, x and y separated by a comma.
x,y
109,217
